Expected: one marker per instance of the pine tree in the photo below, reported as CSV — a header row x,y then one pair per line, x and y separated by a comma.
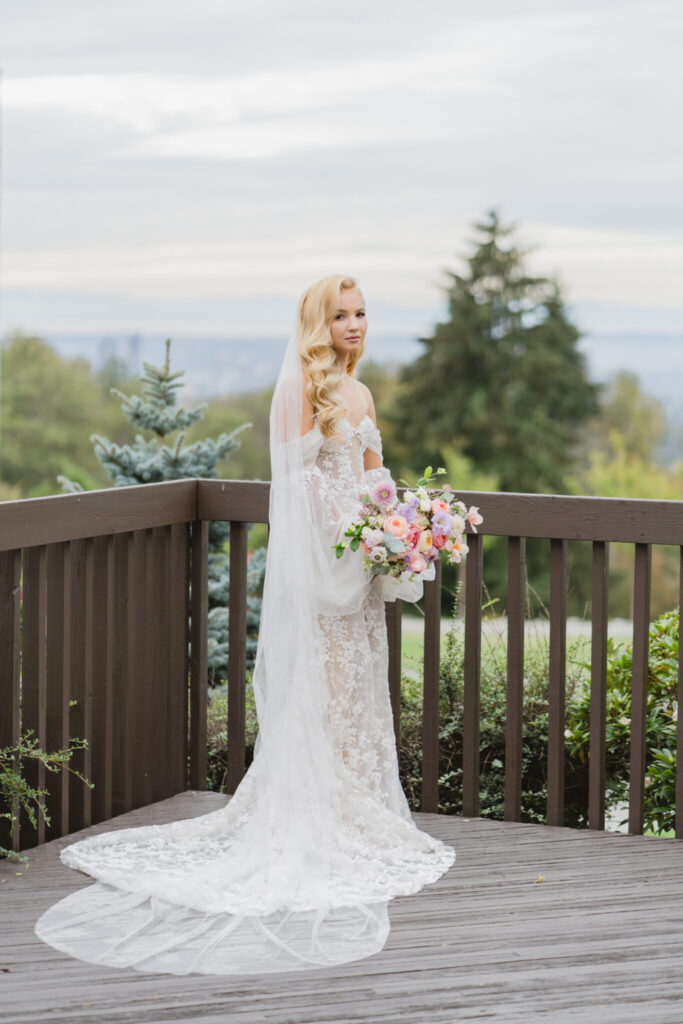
x,y
155,459
502,380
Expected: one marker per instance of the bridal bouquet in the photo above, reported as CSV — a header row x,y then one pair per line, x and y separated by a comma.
x,y
403,537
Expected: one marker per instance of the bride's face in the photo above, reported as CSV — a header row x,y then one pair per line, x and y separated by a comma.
x,y
349,325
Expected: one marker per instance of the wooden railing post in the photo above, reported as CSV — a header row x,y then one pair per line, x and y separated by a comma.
x,y
596,767
198,653
430,694
34,675
10,605
472,673
516,597
641,640
237,655
556,680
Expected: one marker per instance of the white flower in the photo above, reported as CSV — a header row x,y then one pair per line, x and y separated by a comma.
x,y
378,556
458,525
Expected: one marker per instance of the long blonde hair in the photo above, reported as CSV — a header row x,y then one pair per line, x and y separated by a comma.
x,y
317,307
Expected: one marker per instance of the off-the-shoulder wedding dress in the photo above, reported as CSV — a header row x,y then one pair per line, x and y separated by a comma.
x,y
297,869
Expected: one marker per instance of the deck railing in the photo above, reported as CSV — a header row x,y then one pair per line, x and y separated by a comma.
x,y
103,636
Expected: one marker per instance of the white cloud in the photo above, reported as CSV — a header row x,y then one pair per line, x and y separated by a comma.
x,y
150,150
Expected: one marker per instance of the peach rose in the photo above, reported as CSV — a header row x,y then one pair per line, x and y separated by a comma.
x,y
439,506
426,542
397,526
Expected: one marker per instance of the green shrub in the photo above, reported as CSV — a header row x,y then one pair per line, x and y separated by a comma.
x,y
15,792
662,714
492,729
661,728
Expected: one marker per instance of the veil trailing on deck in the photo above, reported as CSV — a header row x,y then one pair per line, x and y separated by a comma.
x,y
297,869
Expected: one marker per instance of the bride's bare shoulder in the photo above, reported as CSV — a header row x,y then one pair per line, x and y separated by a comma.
x,y
370,404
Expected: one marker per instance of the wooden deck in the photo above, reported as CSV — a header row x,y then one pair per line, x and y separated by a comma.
x,y
599,940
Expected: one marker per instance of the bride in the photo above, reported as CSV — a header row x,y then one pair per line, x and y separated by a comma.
x,y
297,869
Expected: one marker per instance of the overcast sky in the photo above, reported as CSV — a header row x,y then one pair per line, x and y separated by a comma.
x,y
182,166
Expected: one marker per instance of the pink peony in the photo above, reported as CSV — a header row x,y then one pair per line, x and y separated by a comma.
x,y
397,526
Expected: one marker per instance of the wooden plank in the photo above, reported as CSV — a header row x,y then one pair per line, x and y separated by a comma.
x,y
35,521
237,655
57,702
121,762
179,607
598,719
679,723
10,655
63,517
556,680
34,676
157,659
516,604
641,638
100,670
600,941
233,500
574,517
472,674
429,800
140,721
392,611
76,623
577,517
198,654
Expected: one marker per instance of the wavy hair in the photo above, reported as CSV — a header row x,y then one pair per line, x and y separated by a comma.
x,y
317,308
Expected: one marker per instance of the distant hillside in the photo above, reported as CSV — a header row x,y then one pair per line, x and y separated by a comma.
x,y
222,366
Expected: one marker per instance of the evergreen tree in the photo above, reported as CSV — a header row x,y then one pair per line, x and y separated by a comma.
x,y
153,460
502,380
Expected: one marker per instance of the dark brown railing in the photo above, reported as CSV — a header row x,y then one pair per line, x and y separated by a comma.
x,y
103,619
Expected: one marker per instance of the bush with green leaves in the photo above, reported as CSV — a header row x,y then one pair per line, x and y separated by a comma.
x,y
660,780
661,719
491,727
17,794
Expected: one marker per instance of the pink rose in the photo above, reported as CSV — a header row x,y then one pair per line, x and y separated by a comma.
x,y
397,526
417,562
413,538
439,506
439,540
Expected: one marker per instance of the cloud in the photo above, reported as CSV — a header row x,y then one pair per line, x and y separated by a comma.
x,y
253,146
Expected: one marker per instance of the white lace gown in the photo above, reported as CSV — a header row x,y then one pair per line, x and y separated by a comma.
x,y
291,873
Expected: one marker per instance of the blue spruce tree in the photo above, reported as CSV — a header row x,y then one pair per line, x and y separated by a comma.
x,y
159,458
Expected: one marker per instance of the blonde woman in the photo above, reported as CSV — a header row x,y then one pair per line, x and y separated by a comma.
x,y
298,868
